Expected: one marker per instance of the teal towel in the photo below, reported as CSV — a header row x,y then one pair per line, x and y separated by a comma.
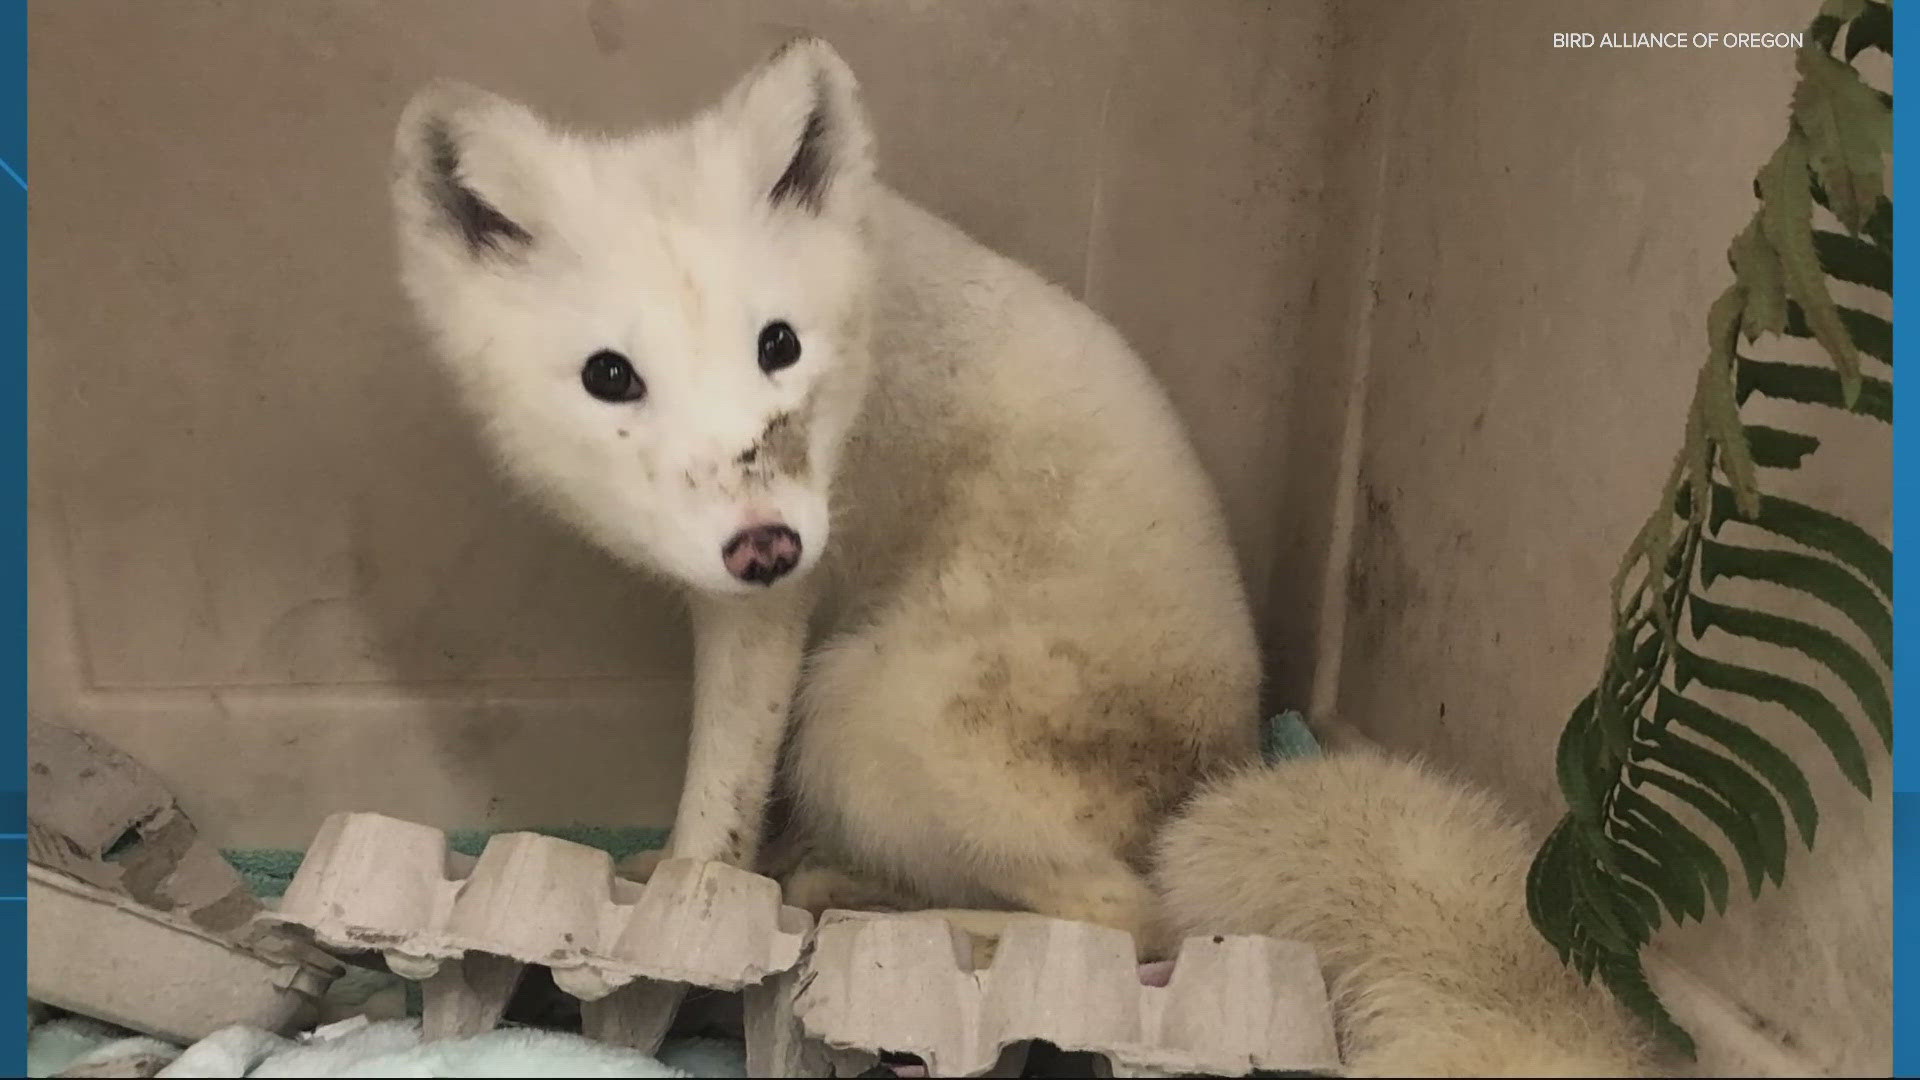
x,y
1287,736
268,871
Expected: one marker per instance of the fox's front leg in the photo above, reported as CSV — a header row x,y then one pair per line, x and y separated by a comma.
x,y
747,654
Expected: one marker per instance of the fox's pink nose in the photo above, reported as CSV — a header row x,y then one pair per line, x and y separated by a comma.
x,y
762,554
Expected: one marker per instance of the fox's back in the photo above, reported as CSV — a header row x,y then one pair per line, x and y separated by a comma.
x,y
1008,418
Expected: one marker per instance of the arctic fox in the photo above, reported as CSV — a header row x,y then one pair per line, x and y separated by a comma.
x,y
1410,886
925,506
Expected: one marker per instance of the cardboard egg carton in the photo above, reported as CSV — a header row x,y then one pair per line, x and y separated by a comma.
x,y
107,956
908,984
133,917
467,927
817,1002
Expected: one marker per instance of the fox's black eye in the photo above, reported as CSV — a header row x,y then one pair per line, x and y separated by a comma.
x,y
779,347
608,376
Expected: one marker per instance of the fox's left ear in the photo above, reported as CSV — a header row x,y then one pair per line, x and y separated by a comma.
x,y
467,171
805,133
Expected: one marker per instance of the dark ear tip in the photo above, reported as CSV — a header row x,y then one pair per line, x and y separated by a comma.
x,y
424,113
438,106
435,98
804,41
816,52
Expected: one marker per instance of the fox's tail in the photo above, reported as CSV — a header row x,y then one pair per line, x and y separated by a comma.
x,y
1410,886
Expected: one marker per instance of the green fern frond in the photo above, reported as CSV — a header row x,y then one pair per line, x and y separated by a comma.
x,y
1643,744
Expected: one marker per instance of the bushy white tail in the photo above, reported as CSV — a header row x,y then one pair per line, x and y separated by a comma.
x,y
1411,887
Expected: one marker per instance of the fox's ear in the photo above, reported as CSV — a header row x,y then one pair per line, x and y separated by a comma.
x,y
805,134
466,169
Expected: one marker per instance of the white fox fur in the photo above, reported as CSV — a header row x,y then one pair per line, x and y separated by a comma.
x,y
1024,634
1411,888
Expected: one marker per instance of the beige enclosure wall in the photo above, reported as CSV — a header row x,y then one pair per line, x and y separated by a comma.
x,y
1521,247
1429,293
268,558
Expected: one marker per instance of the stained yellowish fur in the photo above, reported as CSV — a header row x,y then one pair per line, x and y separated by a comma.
x,y
1041,644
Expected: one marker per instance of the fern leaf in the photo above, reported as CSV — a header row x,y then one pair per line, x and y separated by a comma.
x,y
1756,855
1549,893
1773,448
1879,227
1848,131
1756,266
1638,919
1809,574
1820,531
1849,258
1657,863
1811,706
1766,759
1637,748
1733,786
1717,408
1787,216
1594,900
1871,29
1625,977
1698,853
1825,648
1812,386
1825,31
1574,761
1586,954
1869,333
1645,904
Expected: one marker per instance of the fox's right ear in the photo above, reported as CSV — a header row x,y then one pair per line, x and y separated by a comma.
x,y
465,170
805,137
